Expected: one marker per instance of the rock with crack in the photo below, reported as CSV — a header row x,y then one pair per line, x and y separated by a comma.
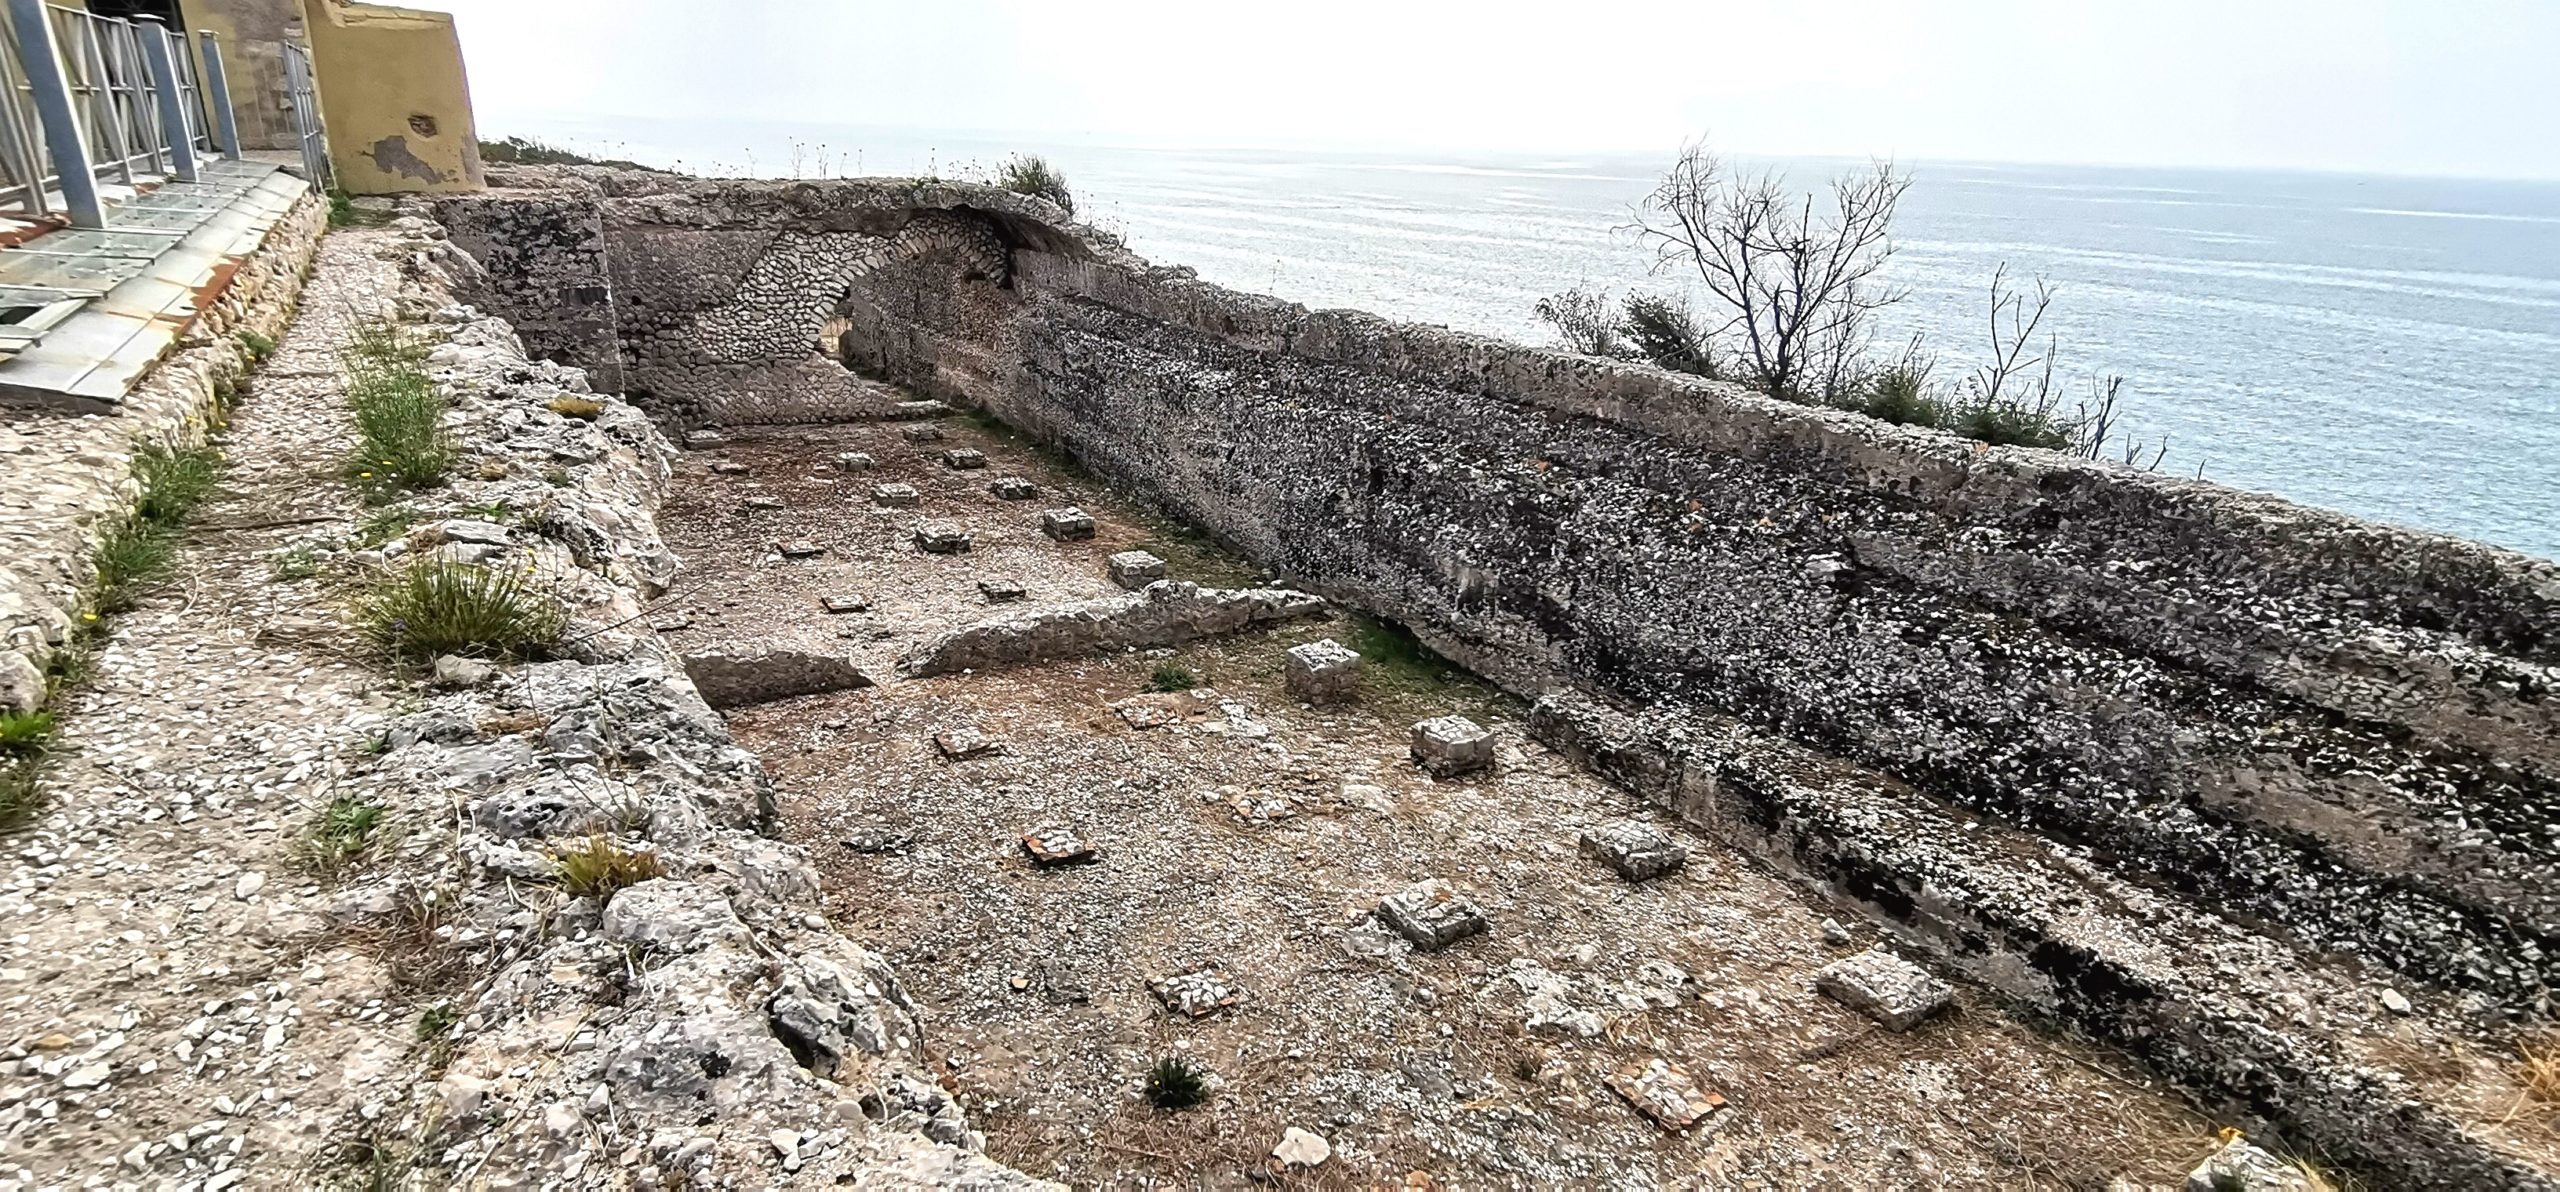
x,y
1661,1091
1057,844
1323,672
2241,1166
960,742
1638,851
896,496
1001,591
1067,525
942,538
854,461
1889,989
1431,915
1135,569
1168,613
1448,746
964,459
844,603
735,674
798,548
1013,488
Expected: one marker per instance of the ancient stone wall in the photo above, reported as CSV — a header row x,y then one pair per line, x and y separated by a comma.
x,y
2105,728
2333,725
703,302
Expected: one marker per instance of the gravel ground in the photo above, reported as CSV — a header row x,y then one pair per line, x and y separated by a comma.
x,y
1254,836
176,1013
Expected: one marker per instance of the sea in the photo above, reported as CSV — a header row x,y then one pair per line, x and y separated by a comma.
x,y
2388,346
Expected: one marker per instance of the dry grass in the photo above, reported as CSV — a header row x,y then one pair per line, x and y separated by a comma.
x,y
597,867
415,946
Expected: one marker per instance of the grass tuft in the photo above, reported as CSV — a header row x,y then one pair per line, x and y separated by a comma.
x,y
1031,174
400,439
1172,677
2538,1067
257,345
1176,1083
343,834
384,524
432,607
21,799
597,867
298,562
24,734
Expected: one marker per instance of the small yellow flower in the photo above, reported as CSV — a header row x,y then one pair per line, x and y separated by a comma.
x,y
89,616
364,475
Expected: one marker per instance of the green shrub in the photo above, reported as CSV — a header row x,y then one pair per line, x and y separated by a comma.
x,y
529,151
1899,394
433,607
2008,425
1176,1083
597,867
257,345
24,734
342,208
1031,174
1172,677
1666,332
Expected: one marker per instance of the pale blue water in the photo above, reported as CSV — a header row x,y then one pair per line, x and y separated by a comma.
x,y
2386,346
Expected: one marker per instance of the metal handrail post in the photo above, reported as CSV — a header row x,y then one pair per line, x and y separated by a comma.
x,y
173,104
52,92
226,130
107,111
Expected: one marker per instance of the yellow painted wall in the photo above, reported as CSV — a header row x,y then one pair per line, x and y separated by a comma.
x,y
395,98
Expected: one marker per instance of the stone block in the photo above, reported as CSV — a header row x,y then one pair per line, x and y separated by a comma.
x,y
1000,591
1887,988
1661,1091
922,432
1013,488
798,548
731,674
763,501
703,440
1135,569
723,467
1448,746
1198,993
964,459
1067,525
1058,844
960,742
942,538
896,496
2240,1166
1323,672
855,461
844,604
1431,915
1638,851
919,408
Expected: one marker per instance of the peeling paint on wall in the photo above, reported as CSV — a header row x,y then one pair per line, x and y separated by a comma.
x,y
393,156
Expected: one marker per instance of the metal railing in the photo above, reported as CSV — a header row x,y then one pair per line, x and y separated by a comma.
x,y
307,129
86,98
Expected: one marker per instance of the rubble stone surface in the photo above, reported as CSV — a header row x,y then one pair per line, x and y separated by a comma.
x,y
1638,851
1135,569
1324,672
1431,915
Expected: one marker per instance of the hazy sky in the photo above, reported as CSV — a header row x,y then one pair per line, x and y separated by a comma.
x,y
2409,86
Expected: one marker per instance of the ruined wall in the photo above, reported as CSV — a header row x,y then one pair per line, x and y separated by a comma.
x,y
707,303
2085,732
2339,727
395,98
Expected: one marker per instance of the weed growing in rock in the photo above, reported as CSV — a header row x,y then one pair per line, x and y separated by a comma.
x,y
129,555
1172,677
1176,1083
300,562
499,511
1031,174
20,798
257,345
174,482
597,867
434,607
342,208
400,439
384,524
342,834
414,943
23,734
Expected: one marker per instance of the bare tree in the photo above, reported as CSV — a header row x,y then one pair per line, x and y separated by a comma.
x,y
1795,275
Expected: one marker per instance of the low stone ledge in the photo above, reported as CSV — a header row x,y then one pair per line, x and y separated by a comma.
x,y
735,674
1167,613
